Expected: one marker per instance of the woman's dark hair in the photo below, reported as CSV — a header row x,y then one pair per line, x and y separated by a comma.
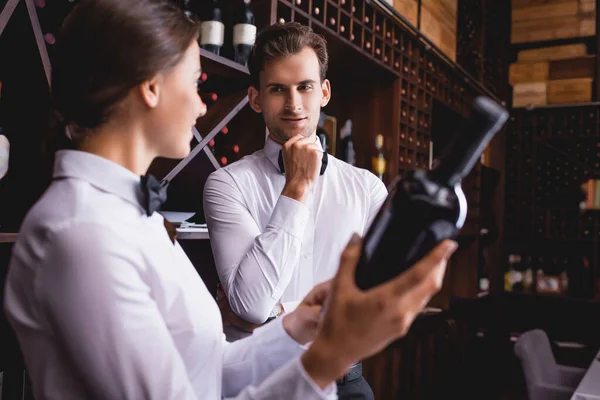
x,y
107,47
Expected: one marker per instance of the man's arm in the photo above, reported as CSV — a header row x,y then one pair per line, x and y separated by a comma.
x,y
254,267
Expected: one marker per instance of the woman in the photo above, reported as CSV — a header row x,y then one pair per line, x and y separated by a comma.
x,y
103,303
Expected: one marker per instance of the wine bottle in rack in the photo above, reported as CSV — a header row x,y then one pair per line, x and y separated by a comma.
x,y
244,33
346,145
379,159
212,30
208,97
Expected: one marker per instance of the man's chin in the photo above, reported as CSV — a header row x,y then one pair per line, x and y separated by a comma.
x,y
285,136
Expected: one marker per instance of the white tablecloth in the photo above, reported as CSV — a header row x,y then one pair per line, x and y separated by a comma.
x,y
589,387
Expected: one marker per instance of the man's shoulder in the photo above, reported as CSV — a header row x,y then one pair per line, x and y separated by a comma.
x,y
250,164
352,170
362,177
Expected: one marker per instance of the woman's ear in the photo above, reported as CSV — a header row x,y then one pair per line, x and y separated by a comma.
x,y
253,99
150,91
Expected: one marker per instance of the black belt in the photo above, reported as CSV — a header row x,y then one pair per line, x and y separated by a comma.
x,y
353,373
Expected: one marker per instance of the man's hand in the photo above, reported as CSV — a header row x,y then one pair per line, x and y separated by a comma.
x,y
357,324
303,323
229,317
302,159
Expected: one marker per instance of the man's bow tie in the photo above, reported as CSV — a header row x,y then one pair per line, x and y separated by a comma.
x,y
323,163
155,193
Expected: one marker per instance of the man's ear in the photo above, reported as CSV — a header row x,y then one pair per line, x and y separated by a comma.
x,y
150,91
253,99
326,89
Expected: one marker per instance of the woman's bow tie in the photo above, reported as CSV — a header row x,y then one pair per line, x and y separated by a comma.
x,y
155,193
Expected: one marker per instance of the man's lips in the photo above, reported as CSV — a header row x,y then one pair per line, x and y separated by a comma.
x,y
293,119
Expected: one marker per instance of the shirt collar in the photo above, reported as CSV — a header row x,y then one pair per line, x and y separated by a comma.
x,y
273,148
100,172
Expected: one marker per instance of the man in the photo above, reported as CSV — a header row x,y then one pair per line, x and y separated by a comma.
x,y
280,218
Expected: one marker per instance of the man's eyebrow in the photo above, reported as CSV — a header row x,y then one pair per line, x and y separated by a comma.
x,y
305,82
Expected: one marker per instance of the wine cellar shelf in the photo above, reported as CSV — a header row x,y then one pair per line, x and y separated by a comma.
x,y
551,153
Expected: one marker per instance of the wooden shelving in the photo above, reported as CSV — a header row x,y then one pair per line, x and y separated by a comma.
x,y
6,237
214,64
551,151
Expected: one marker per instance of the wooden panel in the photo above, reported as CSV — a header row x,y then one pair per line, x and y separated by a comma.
x,y
570,91
438,33
531,3
408,9
587,26
546,29
580,67
553,52
444,11
530,93
549,10
528,72
587,6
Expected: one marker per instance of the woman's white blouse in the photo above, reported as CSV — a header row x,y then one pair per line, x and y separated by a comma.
x,y
104,305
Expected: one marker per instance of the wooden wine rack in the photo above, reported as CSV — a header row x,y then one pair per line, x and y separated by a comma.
x,y
551,151
482,28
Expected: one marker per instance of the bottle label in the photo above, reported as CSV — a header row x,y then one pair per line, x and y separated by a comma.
x,y
212,32
244,34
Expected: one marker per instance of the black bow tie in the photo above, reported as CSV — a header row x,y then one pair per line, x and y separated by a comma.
x,y
323,163
155,193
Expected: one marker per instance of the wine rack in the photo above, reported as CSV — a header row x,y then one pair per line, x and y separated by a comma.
x,y
483,26
470,36
551,152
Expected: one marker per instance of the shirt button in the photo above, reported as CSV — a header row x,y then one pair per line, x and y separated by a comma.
x,y
306,256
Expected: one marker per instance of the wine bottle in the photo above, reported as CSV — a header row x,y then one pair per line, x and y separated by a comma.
x,y
346,145
244,33
379,160
212,29
322,133
425,207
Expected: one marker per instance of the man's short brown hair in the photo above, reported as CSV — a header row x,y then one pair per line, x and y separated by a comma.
x,y
281,40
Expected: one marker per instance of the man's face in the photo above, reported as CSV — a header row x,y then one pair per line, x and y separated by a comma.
x,y
291,95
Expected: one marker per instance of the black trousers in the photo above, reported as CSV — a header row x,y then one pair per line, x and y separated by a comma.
x,y
353,386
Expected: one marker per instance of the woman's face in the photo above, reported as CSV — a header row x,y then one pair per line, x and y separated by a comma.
x,y
178,107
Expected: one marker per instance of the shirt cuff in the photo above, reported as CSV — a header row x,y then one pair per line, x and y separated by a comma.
x,y
274,335
289,215
275,341
330,392
290,306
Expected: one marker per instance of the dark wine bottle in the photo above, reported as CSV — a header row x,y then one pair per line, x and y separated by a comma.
x,y
212,29
244,33
425,207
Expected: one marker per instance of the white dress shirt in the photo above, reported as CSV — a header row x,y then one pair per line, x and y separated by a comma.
x,y
105,306
268,247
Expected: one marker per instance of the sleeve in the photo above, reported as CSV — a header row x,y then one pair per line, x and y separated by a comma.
x,y
266,365
100,308
377,195
254,266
